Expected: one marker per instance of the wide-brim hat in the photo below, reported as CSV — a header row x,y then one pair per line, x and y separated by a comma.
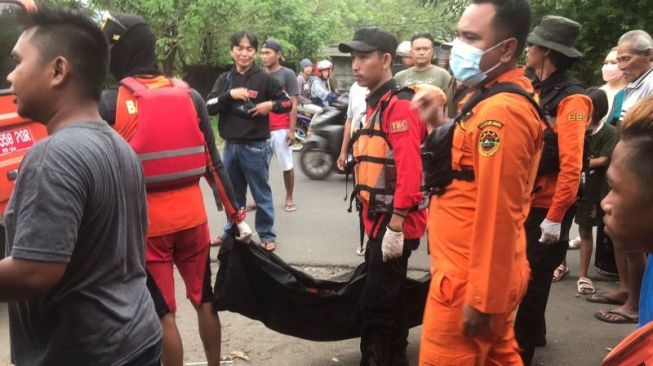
x,y
557,33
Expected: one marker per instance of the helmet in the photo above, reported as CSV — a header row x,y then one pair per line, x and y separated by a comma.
x,y
323,65
403,49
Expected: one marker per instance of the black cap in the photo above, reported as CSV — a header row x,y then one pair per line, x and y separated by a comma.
x,y
273,44
371,39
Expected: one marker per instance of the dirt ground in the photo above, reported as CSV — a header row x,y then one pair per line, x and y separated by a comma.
x,y
266,347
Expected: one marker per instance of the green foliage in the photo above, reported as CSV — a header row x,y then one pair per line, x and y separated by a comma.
x,y
198,31
603,23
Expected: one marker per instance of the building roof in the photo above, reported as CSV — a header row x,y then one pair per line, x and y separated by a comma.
x,y
331,51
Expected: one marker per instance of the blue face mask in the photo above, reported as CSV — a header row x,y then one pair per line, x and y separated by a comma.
x,y
465,63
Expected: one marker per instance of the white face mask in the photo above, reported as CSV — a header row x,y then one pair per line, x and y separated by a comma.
x,y
465,63
611,72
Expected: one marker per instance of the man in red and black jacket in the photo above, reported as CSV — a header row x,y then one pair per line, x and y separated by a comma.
x,y
178,230
388,182
243,97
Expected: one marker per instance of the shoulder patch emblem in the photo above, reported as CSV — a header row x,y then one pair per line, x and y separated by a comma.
x,y
490,123
399,126
488,143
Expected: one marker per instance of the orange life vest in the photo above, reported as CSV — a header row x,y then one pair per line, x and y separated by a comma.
x,y
177,155
375,170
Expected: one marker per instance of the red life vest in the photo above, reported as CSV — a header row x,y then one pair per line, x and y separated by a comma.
x,y
166,136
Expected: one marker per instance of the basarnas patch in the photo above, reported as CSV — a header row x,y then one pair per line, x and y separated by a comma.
x,y
488,143
398,126
490,123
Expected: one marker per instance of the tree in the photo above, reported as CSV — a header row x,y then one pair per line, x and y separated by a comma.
x,y
603,23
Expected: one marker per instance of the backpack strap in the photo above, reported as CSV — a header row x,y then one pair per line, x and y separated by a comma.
x,y
565,88
132,84
177,83
503,87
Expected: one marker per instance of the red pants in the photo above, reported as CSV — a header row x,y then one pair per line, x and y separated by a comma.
x,y
443,343
189,251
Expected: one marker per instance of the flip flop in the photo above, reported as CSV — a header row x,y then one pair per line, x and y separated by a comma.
x,y
270,246
290,208
560,273
602,299
621,318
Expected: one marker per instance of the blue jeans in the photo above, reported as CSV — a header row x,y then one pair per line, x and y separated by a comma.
x,y
249,164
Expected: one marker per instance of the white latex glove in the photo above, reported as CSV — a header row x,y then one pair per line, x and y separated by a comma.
x,y
550,232
244,232
393,244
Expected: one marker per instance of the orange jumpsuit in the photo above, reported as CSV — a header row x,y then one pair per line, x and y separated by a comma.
x,y
558,192
476,231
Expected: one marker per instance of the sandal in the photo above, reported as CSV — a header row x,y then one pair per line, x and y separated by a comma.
x,y
585,286
270,246
290,207
616,317
560,273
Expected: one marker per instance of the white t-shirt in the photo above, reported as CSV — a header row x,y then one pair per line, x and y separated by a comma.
x,y
357,106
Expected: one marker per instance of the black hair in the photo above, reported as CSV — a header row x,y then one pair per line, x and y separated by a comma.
x,y
599,103
560,61
512,19
238,36
422,35
74,36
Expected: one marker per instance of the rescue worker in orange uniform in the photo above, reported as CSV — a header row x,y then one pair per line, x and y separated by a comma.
x,y
549,55
388,183
178,231
476,223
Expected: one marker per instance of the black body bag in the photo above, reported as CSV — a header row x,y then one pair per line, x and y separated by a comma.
x,y
261,286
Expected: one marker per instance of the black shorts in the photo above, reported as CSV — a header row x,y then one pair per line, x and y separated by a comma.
x,y
589,213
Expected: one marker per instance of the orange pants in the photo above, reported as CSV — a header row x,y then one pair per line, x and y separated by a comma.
x,y
443,343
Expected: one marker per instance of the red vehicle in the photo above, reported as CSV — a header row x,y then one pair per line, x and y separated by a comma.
x,y
16,133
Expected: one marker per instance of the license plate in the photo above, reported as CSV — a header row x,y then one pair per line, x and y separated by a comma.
x,y
15,140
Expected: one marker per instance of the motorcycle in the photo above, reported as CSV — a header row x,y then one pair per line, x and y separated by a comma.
x,y
301,130
322,146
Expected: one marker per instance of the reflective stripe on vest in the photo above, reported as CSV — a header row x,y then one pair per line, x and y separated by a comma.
x,y
171,153
174,176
